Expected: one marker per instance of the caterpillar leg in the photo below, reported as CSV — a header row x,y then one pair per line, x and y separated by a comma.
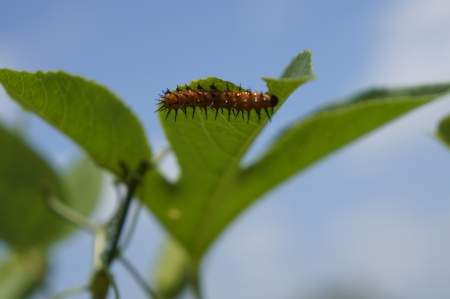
x,y
268,115
217,112
168,112
259,115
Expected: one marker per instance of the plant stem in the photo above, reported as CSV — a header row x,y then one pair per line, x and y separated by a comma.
x,y
65,212
70,292
112,282
139,278
119,220
195,279
132,226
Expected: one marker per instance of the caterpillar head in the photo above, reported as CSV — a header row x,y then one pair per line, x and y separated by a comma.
x,y
273,100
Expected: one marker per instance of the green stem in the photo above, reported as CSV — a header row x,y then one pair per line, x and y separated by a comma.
x,y
112,282
194,279
65,212
138,278
132,226
119,220
70,292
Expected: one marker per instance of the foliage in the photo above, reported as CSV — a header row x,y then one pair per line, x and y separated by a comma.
x,y
26,224
214,187
444,131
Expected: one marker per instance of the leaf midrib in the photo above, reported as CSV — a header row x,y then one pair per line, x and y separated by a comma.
x,y
193,153
221,183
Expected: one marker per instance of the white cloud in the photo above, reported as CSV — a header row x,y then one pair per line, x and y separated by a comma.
x,y
413,47
252,255
389,246
413,44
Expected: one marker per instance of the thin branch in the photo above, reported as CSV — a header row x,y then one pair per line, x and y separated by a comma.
x,y
161,155
133,224
111,281
100,243
197,289
135,216
141,282
65,212
119,221
70,292
195,279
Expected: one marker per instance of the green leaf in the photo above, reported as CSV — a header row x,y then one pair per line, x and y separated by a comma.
x,y
444,131
21,275
25,221
328,130
197,208
83,110
213,189
299,71
82,185
171,272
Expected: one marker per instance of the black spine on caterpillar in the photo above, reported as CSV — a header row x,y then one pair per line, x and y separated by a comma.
x,y
234,101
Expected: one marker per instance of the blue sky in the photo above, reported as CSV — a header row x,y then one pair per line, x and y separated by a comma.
x,y
375,215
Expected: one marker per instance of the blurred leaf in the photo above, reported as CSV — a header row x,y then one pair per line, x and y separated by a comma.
x,y
82,186
25,221
444,131
213,189
328,130
171,272
21,275
83,110
299,71
197,208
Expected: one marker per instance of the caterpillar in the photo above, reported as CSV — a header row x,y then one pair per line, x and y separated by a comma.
x,y
234,101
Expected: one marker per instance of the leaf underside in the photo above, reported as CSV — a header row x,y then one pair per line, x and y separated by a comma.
x,y
21,275
209,152
85,111
444,131
214,188
25,220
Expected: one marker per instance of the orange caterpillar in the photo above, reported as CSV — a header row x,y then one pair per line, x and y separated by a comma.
x,y
240,101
